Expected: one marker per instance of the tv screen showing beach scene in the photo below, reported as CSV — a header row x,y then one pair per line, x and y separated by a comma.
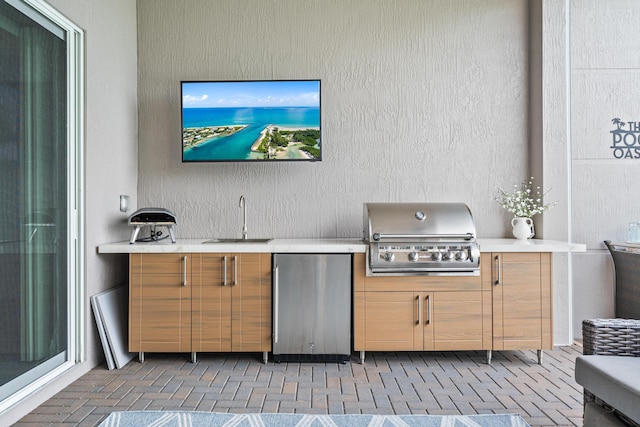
x,y
231,121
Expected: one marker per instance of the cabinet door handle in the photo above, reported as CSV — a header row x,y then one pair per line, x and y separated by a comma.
x,y
275,304
235,270
498,270
224,271
419,310
184,271
428,298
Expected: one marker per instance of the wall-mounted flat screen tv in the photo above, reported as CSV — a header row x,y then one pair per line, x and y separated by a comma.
x,y
252,121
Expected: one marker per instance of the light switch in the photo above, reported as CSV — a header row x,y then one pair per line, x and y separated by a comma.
x,y
124,203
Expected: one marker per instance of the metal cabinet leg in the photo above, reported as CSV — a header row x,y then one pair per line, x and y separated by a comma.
x,y
141,356
489,355
540,355
265,357
362,357
193,357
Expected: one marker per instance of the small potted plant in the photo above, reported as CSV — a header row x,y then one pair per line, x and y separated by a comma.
x,y
524,202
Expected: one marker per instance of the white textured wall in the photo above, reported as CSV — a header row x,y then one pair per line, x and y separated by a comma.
x,y
605,82
111,161
421,100
605,76
110,158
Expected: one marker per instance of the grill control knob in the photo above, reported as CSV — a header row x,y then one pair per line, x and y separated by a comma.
x,y
413,256
389,256
436,256
461,256
448,255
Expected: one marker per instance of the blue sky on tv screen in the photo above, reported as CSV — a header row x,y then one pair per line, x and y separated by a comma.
x,y
277,93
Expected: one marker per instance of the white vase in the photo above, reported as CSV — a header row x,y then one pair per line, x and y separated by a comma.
x,y
522,228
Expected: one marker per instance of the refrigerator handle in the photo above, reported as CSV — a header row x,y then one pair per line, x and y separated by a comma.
x,y
275,304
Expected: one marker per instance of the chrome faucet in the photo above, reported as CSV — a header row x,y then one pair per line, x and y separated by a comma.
x,y
243,205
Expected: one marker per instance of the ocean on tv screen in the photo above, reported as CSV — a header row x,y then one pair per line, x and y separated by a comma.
x,y
251,133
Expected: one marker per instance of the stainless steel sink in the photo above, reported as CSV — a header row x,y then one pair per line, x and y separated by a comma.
x,y
238,240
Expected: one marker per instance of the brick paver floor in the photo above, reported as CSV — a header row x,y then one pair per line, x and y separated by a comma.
x,y
434,383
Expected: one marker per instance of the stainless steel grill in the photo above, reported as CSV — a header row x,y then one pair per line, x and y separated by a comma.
x,y
420,239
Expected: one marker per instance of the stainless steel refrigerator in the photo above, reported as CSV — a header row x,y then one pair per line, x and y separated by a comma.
x,y
312,307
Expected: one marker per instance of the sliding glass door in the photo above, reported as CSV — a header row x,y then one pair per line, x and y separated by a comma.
x,y
37,171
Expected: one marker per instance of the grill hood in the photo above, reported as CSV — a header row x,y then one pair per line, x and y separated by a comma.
x,y
418,222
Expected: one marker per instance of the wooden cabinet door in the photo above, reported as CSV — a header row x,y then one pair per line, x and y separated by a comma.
x,y
522,301
212,304
391,321
232,305
396,321
160,302
251,302
458,319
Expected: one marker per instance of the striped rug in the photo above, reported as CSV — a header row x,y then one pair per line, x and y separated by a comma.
x,y
211,419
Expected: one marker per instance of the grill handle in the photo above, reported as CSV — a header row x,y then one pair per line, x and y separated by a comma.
x,y
467,236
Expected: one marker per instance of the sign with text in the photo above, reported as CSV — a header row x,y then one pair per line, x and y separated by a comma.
x,y
625,142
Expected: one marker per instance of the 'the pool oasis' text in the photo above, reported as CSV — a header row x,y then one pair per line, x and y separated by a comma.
x,y
625,139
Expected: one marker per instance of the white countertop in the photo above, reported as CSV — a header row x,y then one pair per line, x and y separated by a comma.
x,y
273,246
530,245
354,245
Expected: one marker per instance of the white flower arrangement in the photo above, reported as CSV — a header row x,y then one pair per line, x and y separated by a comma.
x,y
524,202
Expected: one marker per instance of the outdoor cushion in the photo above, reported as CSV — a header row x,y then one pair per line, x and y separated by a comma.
x,y
614,379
